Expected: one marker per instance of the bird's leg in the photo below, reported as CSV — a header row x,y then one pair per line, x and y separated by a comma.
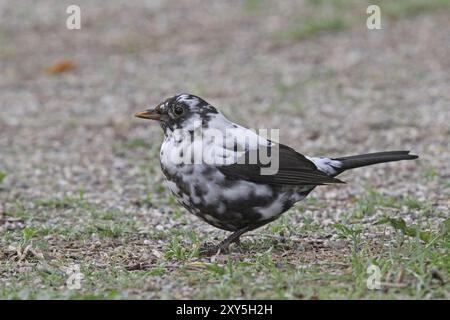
x,y
222,247
234,237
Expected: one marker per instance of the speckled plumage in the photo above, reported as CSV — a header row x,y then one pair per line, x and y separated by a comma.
x,y
229,194
221,200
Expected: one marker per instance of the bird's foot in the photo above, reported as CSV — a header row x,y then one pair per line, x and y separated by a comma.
x,y
209,249
222,247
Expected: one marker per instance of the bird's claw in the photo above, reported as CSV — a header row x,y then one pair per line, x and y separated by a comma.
x,y
210,249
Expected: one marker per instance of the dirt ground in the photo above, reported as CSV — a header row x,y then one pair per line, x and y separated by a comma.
x,y
80,182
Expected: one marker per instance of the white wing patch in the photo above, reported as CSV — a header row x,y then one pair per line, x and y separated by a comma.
x,y
273,209
326,165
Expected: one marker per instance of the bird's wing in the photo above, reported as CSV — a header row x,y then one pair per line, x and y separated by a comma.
x,y
293,169
224,146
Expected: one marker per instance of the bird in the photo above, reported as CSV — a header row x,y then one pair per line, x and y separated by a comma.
x,y
229,189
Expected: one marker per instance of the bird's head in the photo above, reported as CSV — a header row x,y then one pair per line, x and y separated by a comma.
x,y
183,111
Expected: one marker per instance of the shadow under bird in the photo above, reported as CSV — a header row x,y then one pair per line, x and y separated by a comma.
x,y
231,194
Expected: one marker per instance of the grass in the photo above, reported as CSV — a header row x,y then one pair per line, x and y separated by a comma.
x,y
289,96
266,266
178,250
337,15
138,143
407,8
2,176
431,174
311,27
252,6
372,200
63,203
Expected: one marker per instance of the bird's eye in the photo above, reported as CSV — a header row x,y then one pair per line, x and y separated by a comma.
x,y
178,110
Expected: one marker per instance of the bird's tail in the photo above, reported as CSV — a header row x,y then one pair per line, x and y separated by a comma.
x,y
368,159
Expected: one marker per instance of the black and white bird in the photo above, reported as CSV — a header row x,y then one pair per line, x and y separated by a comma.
x,y
229,193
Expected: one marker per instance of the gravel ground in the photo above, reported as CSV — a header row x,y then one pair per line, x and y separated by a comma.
x,y
69,142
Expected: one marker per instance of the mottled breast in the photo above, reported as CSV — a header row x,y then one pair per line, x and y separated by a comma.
x,y
224,202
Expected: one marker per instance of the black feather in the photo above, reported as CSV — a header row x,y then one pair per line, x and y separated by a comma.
x,y
368,159
294,169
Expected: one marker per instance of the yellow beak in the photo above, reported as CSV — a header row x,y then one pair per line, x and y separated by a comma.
x,y
148,114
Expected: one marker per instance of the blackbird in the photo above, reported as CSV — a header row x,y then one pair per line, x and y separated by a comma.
x,y
233,178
